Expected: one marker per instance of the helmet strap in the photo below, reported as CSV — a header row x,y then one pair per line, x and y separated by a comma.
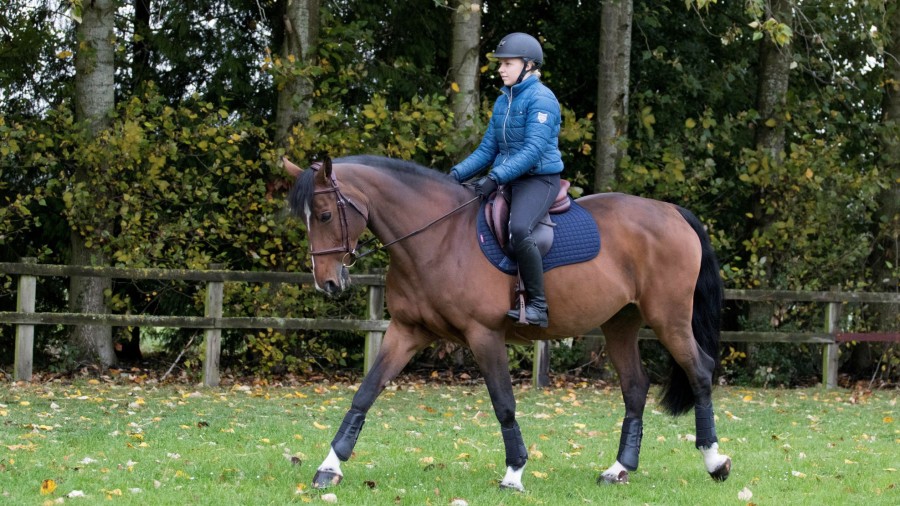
x,y
523,72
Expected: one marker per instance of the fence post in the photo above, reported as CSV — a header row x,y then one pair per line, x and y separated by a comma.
x,y
832,351
373,339
213,340
541,368
25,299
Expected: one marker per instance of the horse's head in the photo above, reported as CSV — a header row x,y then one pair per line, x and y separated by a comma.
x,y
333,223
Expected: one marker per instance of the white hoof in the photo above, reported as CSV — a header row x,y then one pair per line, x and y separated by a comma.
x,y
614,475
513,479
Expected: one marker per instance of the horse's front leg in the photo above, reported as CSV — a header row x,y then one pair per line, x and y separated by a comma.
x,y
399,345
490,353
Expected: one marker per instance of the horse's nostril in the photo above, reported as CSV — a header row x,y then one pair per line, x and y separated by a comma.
x,y
331,288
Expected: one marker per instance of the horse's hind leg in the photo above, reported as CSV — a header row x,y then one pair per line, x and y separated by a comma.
x,y
698,369
622,345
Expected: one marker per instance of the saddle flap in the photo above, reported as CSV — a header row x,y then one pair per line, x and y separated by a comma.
x,y
496,214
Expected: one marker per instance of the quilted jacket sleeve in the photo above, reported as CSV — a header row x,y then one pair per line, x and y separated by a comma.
x,y
483,156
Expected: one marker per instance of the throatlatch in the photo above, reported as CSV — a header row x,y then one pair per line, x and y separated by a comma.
x,y
345,439
630,442
706,426
516,454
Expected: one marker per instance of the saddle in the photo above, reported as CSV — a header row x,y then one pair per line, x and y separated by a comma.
x,y
496,214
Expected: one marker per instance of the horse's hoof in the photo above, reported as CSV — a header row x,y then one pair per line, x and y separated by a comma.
x,y
722,472
609,479
325,479
505,485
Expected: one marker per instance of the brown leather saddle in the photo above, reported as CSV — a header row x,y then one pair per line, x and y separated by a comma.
x,y
496,214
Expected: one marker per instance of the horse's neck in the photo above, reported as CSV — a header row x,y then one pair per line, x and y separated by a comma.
x,y
428,210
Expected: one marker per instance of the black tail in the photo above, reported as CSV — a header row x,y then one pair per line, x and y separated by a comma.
x,y
677,395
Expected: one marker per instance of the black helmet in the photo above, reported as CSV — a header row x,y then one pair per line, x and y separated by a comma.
x,y
520,45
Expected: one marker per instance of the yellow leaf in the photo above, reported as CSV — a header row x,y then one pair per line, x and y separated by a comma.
x,y
848,461
62,55
771,123
809,174
24,403
47,487
690,123
320,426
538,474
455,87
886,419
748,398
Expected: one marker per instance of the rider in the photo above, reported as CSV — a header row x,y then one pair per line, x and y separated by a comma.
x,y
521,145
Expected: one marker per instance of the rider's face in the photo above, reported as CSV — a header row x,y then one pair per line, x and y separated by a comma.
x,y
510,68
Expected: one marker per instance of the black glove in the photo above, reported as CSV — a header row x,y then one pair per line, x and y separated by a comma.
x,y
484,187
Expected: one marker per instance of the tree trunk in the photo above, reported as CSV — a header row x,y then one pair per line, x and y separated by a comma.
x,y
612,109
772,87
464,64
774,73
885,257
141,50
612,91
301,33
94,101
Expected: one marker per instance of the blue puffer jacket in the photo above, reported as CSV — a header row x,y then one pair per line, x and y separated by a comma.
x,y
521,138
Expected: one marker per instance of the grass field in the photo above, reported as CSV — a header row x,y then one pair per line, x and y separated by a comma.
x,y
120,442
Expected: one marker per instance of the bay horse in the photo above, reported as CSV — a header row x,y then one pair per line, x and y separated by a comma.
x,y
656,268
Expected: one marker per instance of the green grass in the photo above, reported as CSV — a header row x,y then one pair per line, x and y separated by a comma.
x,y
122,443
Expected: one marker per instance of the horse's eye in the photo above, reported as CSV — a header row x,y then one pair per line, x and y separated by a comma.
x,y
325,217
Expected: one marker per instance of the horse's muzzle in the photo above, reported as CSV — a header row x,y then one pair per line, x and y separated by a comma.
x,y
333,288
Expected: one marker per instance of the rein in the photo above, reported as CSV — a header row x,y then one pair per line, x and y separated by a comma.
x,y
356,257
350,254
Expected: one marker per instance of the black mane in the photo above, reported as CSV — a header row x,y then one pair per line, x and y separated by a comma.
x,y
302,193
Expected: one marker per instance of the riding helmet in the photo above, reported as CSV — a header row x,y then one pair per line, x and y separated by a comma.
x,y
520,45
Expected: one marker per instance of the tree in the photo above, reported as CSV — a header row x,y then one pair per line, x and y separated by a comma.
x,y
464,59
94,103
885,257
301,32
612,90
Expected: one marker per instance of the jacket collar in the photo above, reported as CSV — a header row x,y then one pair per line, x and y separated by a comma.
x,y
527,83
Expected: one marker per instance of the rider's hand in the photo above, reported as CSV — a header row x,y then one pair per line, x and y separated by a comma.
x,y
485,186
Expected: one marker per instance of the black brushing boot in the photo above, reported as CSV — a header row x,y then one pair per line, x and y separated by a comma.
x,y
531,268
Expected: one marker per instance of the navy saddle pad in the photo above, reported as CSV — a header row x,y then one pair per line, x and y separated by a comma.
x,y
575,239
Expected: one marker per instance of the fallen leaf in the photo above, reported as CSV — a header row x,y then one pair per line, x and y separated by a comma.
x,y
47,487
320,426
538,474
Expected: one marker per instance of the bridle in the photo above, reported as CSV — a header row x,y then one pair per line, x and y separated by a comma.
x,y
350,254
342,201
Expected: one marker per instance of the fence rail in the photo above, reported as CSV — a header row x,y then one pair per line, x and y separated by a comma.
x,y
25,318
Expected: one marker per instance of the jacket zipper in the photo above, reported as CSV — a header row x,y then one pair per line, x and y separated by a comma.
x,y
505,121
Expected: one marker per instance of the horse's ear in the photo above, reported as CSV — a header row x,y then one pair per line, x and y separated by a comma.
x,y
323,175
291,169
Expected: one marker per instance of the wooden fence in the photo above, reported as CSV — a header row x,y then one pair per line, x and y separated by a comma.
x,y
25,318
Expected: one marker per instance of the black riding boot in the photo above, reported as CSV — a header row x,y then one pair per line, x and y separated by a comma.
x,y
531,268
